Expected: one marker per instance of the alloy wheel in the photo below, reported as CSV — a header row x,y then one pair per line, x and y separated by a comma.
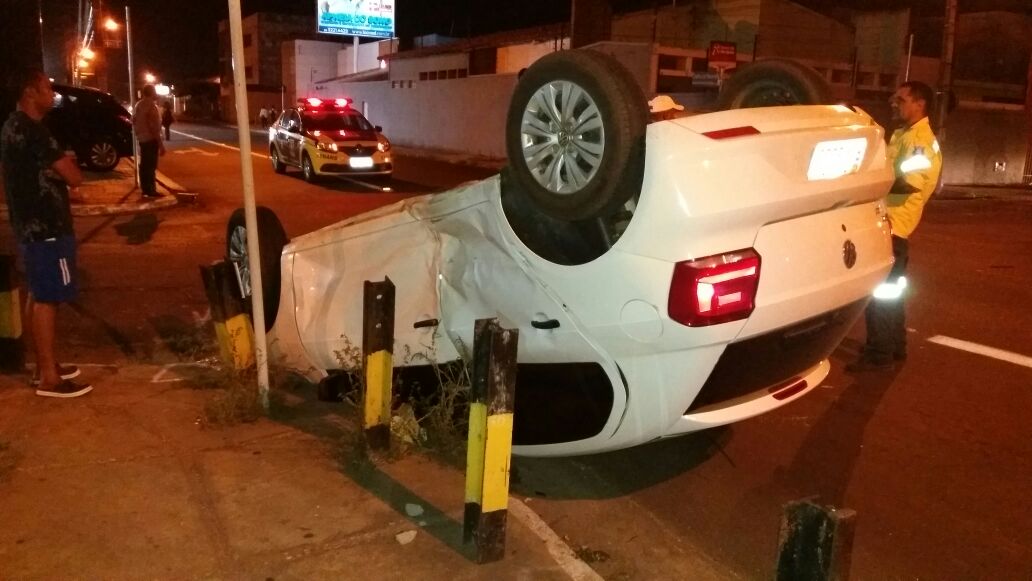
x,y
563,137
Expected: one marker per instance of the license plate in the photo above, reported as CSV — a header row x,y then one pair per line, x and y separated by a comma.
x,y
361,162
834,159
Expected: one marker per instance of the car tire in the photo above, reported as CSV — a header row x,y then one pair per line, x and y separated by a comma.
x,y
773,82
277,164
569,172
101,155
308,169
271,240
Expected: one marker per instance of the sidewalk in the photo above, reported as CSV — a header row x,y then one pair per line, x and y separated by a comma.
x,y
115,193
973,192
129,482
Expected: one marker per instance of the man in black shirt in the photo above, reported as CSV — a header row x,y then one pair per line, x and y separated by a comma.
x,y
36,175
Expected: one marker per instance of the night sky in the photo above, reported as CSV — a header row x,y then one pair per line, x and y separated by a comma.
x,y
177,38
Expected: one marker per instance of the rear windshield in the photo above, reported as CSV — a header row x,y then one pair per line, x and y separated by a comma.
x,y
335,121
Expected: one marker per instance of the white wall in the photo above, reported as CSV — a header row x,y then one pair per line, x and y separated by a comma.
x,y
520,56
368,56
463,115
409,69
306,62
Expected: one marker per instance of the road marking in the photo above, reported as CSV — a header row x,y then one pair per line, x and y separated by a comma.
x,y
1008,356
564,556
195,151
368,185
216,143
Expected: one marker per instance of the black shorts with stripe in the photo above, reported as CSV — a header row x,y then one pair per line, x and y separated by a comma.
x,y
50,269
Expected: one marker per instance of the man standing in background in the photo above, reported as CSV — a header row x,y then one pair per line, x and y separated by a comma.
x,y
147,124
36,176
917,161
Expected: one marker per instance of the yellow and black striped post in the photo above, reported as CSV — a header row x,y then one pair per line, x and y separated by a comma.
x,y
232,323
489,451
378,349
12,348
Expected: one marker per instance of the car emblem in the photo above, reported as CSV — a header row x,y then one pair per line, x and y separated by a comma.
x,y
849,253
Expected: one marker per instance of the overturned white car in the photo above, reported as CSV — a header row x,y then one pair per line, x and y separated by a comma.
x,y
665,277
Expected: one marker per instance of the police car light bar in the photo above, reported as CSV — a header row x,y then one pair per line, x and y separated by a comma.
x,y
317,102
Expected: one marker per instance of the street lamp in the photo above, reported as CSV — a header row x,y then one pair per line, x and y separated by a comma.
x,y
150,78
87,53
110,24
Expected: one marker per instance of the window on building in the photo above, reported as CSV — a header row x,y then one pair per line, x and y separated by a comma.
x,y
423,76
431,76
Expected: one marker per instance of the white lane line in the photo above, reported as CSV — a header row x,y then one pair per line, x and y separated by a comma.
x,y
564,556
1008,356
367,184
216,143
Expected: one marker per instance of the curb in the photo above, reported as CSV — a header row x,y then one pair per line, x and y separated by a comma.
x,y
983,193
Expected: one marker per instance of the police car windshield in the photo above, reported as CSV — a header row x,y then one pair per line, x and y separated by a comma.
x,y
335,121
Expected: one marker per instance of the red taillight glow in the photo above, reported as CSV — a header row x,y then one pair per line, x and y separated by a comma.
x,y
314,102
316,133
342,102
733,132
343,133
716,289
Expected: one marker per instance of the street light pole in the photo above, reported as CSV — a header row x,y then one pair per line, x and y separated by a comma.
x,y
132,93
946,73
236,36
42,48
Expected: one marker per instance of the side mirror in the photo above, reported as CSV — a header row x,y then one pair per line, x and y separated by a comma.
x,y
378,128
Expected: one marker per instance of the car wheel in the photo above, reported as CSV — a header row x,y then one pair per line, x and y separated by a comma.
x,y
101,155
271,240
277,164
575,134
773,82
308,169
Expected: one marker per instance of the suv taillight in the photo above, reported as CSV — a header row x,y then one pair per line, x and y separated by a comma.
x,y
715,289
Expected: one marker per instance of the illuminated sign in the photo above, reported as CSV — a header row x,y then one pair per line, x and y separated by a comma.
x,y
356,17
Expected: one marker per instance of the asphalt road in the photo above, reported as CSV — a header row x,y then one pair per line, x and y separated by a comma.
x,y
936,458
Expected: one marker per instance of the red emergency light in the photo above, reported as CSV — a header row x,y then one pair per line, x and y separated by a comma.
x,y
317,102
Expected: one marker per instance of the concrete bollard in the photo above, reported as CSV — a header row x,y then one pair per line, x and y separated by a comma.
x,y
377,351
12,347
815,542
489,451
233,327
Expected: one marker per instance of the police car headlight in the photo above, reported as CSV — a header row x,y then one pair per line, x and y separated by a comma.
x,y
327,146
383,145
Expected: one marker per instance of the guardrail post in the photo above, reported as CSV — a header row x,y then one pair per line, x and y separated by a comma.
x,y
232,323
815,542
489,450
12,348
377,350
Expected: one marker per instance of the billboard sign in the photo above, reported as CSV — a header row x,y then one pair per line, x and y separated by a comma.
x,y
373,18
722,55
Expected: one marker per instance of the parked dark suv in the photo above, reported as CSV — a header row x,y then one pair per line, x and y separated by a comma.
x,y
90,122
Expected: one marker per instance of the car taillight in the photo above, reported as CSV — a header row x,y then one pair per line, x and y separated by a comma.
x,y
715,289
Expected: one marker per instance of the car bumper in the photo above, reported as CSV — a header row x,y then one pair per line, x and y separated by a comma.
x,y
341,164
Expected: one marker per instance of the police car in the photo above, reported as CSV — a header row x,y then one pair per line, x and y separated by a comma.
x,y
665,277
328,137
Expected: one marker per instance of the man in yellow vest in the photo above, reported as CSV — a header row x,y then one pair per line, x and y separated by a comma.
x,y
917,161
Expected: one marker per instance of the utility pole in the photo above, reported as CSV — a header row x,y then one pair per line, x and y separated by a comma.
x,y
946,72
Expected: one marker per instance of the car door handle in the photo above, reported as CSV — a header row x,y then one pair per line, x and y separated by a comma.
x,y
549,324
425,324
